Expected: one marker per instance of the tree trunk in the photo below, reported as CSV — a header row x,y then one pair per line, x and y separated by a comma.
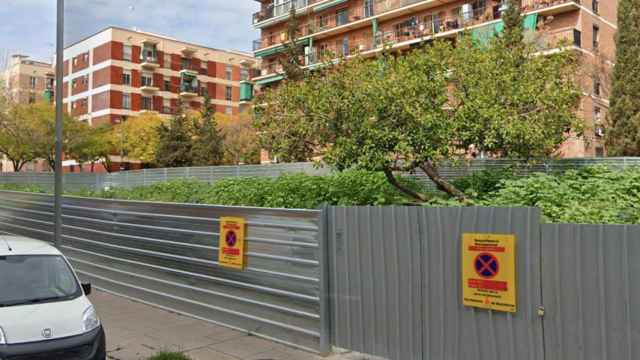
x,y
432,172
405,190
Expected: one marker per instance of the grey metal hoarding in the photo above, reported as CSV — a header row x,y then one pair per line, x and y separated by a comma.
x,y
396,290
166,254
97,181
590,277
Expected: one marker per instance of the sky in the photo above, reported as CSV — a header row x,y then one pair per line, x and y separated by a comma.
x,y
28,26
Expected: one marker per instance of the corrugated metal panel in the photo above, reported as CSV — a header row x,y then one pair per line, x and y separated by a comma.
x,y
396,290
77,181
590,276
166,254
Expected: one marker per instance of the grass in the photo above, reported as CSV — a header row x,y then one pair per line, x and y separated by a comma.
x,y
169,356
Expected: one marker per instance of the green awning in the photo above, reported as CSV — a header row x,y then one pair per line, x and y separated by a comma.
x,y
328,5
277,49
483,34
270,79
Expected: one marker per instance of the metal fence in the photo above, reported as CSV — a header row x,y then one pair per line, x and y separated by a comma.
x,y
380,280
396,289
94,181
590,276
166,255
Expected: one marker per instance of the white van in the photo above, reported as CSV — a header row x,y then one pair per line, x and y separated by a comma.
x,y
44,310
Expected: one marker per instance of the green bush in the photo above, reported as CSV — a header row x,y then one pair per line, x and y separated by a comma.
x,y
353,187
169,356
482,183
590,195
23,188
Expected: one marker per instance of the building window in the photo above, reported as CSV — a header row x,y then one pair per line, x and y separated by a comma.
x,y
599,151
33,81
342,17
167,84
85,57
596,87
186,64
166,106
345,46
228,72
368,8
126,77
597,115
596,36
203,90
244,74
577,38
228,110
167,61
322,21
595,6
126,55
32,98
126,101
228,93
147,80
147,103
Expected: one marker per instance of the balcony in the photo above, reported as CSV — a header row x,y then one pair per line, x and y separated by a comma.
x,y
273,11
147,85
323,26
149,62
188,85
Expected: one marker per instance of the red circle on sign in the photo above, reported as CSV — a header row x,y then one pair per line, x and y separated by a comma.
x,y
231,238
486,265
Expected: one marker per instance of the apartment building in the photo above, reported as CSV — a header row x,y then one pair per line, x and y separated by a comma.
x,y
349,27
28,81
118,73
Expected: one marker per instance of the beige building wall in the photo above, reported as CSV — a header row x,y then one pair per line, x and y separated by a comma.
x,y
26,80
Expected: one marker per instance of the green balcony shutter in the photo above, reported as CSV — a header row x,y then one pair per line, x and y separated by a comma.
x,y
246,91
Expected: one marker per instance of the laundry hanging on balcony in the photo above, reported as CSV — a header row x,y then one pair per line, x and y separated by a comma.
x,y
483,34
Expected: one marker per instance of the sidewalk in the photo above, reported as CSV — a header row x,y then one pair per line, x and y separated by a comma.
x,y
136,331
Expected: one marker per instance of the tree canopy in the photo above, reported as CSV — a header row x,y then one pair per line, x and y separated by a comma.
x,y
439,103
623,136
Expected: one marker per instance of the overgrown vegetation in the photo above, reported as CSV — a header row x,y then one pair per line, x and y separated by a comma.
x,y
591,195
288,191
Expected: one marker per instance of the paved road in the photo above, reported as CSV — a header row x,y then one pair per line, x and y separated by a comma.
x,y
136,331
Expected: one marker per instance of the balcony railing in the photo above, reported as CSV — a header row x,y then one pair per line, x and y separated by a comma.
x,y
370,9
270,11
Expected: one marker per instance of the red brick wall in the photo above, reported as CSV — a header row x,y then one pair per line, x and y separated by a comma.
x,y
160,55
211,88
220,92
115,99
66,68
65,89
157,103
80,62
100,101
235,75
117,50
174,104
175,84
135,54
176,60
235,93
158,80
136,79
78,86
102,53
196,64
220,67
211,68
102,77
81,107
136,102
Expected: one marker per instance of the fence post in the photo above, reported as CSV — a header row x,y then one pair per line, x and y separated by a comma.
x,y
325,297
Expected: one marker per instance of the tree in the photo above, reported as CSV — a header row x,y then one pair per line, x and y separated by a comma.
x,y
207,147
174,140
513,27
240,139
138,137
624,115
90,144
292,63
432,105
17,126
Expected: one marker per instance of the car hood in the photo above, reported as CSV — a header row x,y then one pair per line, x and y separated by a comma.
x,y
27,323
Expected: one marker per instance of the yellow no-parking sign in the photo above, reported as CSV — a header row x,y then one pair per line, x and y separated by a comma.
x,y
231,251
489,271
